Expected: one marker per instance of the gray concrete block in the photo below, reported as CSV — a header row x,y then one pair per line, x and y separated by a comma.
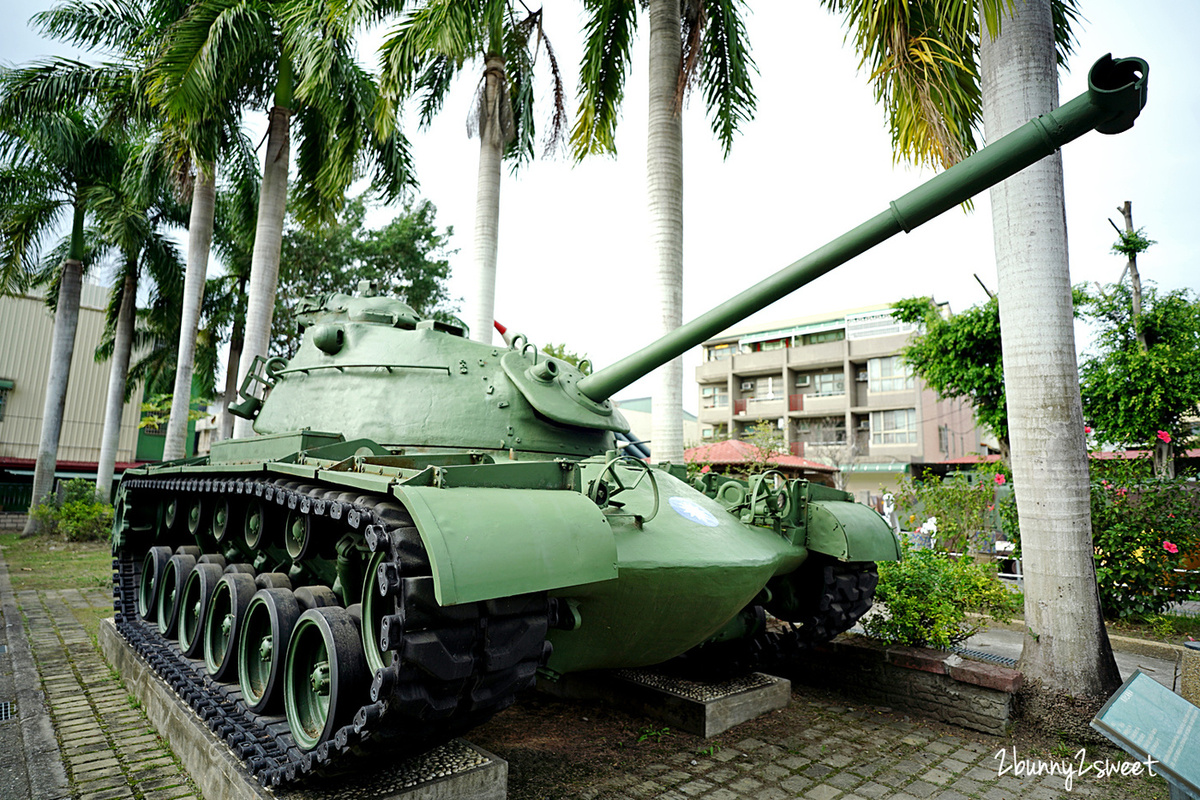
x,y
705,709
219,774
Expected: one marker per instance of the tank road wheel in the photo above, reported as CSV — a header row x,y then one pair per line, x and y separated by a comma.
x,y
377,607
196,512
193,607
220,520
298,535
170,514
222,626
326,675
270,618
153,567
174,577
254,523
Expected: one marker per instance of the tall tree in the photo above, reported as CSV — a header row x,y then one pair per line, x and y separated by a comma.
x,y
960,356
1066,646
49,158
406,258
132,222
434,43
1141,386
296,58
704,44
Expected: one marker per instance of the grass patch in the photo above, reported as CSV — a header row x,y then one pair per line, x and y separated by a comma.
x,y
1170,628
49,562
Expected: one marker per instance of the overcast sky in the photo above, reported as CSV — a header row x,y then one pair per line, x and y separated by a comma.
x,y
814,162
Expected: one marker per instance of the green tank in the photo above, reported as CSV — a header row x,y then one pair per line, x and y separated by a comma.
x,y
426,522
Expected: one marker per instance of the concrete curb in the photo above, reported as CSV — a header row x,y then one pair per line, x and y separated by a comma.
x,y
1127,644
47,776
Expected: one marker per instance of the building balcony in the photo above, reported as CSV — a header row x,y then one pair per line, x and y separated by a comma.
x,y
758,408
714,371
714,415
816,355
764,363
821,405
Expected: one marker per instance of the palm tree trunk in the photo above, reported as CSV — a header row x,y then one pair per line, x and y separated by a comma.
x,y
481,305
664,185
118,373
62,349
1066,646
200,230
268,239
236,337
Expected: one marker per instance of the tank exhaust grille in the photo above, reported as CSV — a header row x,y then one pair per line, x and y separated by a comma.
x,y
7,711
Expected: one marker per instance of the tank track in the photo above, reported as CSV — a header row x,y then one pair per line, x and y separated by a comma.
x,y
451,668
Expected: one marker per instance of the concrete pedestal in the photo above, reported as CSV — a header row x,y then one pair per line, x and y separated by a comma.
x,y
705,709
219,774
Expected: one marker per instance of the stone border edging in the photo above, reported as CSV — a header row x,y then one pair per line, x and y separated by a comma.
x,y
1126,644
47,776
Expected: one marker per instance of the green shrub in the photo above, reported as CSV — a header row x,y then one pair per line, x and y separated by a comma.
x,y
964,504
79,516
1144,529
927,595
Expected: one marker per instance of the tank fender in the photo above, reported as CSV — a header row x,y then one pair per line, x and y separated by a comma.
x,y
485,543
850,531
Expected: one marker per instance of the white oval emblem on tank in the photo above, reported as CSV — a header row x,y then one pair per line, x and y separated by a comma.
x,y
690,509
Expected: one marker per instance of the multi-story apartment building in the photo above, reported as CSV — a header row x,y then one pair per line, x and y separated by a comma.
x,y
838,389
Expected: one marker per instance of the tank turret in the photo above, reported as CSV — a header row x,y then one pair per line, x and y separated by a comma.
x,y
425,522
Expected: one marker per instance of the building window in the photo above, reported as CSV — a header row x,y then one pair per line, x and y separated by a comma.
x,y
773,344
719,352
889,374
823,336
894,427
823,430
714,397
6,386
828,384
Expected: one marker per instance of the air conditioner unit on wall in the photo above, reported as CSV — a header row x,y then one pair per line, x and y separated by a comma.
x,y
865,425
862,377
747,386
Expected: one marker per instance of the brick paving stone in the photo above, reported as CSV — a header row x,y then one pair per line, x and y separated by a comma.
x,y
795,784
940,747
772,793
822,793
794,762
722,794
721,775
108,794
922,789
745,785
695,788
837,760
727,754
772,772
893,778
981,774
872,790
939,776
951,794
844,780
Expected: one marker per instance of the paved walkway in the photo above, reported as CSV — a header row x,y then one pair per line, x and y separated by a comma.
x,y
84,737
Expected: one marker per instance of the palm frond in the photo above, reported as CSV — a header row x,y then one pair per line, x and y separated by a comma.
x,y
726,70
602,71
113,25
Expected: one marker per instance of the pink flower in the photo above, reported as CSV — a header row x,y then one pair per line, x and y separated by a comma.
x,y
1000,479
991,508
705,468
1166,437
1170,547
1087,428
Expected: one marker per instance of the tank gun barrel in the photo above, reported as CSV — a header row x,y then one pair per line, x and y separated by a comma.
x,y
1115,96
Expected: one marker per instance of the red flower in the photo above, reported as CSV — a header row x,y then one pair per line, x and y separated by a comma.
x,y
1000,479
1170,547
1166,437
705,468
1087,429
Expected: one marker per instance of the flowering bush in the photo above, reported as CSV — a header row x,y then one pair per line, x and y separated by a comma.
x,y
964,504
1146,531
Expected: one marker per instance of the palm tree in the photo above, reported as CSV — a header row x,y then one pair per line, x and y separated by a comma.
x,y
1067,645
705,46
130,218
297,57
432,45
49,159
